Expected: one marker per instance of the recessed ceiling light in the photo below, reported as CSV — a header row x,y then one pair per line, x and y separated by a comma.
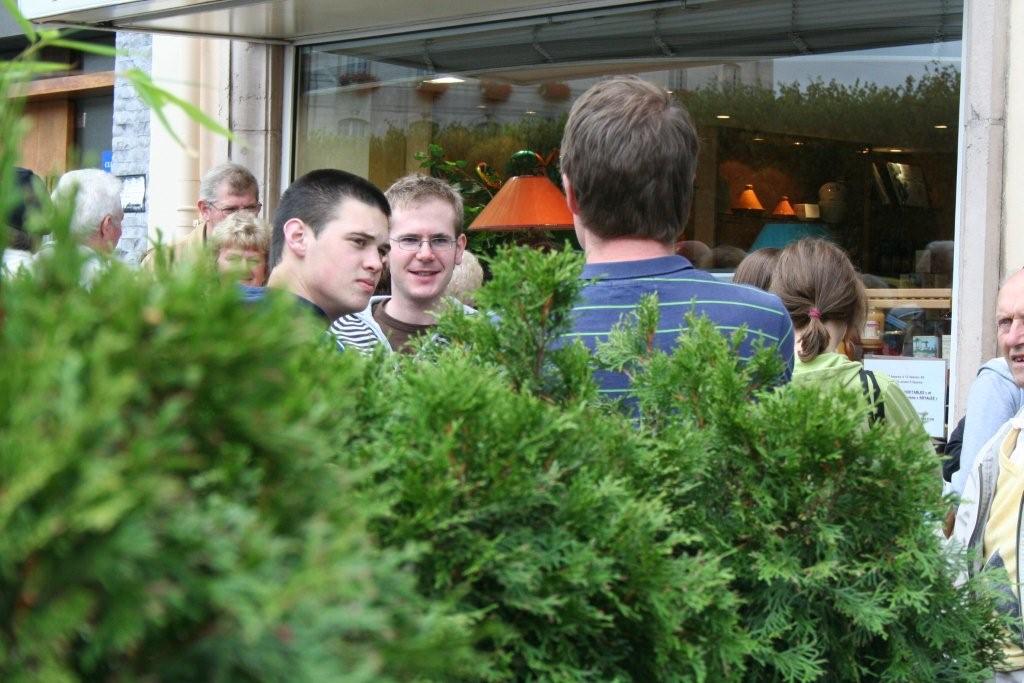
x,y
722,116
941,126
759,139
895,150
798,143
530,112
446,79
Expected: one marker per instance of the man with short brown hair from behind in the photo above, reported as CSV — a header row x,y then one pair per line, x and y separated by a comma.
x,y
223,190
629,157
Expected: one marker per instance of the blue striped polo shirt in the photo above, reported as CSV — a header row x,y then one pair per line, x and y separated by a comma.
x,y
681,288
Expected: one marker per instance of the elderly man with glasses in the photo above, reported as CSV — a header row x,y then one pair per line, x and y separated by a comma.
x,y
427,243
223,190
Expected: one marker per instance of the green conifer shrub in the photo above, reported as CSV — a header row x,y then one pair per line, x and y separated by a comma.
x,y
192,489
828,528
521,505
170,502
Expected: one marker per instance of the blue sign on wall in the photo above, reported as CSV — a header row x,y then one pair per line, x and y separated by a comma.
x,y
106,157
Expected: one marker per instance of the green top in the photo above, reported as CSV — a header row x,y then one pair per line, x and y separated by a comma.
x,y
835,369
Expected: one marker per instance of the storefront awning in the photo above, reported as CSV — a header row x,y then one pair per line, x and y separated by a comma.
x,y
292,21
602,29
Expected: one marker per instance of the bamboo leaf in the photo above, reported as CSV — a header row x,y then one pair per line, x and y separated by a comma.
x,y
158,98
92,48
154,99
27,69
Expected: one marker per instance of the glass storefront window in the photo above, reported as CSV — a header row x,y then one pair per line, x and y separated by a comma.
x,y
849,111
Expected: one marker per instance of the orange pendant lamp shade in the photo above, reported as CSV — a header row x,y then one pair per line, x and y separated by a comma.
x,y
526,202
747,201
784,208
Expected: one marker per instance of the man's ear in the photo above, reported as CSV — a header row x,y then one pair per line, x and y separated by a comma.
x,y
204,209
570,196
296,236
106,230
460,247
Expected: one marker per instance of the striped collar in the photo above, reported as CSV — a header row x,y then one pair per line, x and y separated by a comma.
x,y
628,270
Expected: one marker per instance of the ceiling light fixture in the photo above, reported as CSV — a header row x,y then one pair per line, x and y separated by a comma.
x,y
445,80
722,116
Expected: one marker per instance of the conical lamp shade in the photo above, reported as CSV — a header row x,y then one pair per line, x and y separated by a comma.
x,y
748,201
526,202
784,208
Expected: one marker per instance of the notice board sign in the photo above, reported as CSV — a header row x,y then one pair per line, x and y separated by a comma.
x,y
923,380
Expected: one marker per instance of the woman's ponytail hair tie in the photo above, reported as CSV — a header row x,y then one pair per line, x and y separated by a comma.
x,y
814,313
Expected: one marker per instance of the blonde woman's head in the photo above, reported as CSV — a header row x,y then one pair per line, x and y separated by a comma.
x,y
241,243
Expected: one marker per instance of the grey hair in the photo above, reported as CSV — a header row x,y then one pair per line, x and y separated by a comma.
x,y
97,195
239,179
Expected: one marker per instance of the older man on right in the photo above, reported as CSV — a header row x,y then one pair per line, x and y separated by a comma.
x,y
997,393
989,518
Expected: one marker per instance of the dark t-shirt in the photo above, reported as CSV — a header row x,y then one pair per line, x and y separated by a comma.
x,y
398,333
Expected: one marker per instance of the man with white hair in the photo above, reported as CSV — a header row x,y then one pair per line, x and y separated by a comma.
x,y
97,216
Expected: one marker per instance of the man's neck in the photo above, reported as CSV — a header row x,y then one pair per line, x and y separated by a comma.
x,y
413,313
97,244
282,277
600,250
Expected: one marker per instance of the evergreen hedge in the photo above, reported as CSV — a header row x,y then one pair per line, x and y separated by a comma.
x,y
170,502
194,489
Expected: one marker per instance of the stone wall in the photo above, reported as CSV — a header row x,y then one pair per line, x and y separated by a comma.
x,y
131,137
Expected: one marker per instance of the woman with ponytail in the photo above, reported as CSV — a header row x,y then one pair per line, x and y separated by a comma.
x,y
826,300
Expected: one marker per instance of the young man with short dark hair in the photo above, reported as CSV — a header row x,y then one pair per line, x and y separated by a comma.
x,y
628,159
328,243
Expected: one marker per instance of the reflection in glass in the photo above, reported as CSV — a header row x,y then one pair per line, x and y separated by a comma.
x,y
860,134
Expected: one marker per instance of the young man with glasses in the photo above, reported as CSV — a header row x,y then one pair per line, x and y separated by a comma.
x,y
427,243
223,190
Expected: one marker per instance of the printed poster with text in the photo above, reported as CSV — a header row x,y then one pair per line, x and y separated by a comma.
x,y
923,380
